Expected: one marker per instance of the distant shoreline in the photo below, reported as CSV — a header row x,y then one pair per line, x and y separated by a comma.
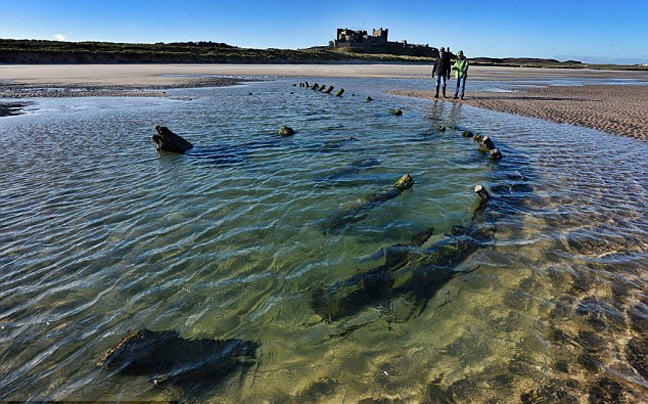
x,y
619,110
173,75
26,51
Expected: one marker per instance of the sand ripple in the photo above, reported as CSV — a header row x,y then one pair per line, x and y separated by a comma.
x,y
615,109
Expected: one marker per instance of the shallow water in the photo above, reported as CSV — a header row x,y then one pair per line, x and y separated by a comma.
x,y
101,235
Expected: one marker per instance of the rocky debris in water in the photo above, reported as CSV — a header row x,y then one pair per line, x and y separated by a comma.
x,y
562,367
12,108
166,140
286,131
396,111
590,361
74,90
441,128
437,394
467,133
165,356
606,391
556,391
369,99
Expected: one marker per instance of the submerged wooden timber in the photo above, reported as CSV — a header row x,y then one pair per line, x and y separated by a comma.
x,y
359,211
486,144
166,140
408,271
286,131
165,356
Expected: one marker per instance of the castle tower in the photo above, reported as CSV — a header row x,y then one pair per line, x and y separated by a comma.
x,y
381,34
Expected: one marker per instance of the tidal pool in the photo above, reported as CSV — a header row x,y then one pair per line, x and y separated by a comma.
x,y
101,235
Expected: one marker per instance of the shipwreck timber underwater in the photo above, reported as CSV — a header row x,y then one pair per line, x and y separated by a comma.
x,y
412,272
167,140
164,356
408,269
359,211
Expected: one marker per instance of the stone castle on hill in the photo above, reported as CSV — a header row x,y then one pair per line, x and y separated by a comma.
x,y
377,42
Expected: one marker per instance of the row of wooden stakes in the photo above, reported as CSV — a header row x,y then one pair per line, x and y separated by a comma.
x,y
318,87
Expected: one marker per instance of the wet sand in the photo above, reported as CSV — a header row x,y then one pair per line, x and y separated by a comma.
x,y
177,74
616,109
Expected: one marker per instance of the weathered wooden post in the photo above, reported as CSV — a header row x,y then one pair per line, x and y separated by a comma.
x,y
487,145
286,131
166,140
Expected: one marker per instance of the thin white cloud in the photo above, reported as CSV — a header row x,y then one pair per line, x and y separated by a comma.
x,y
59,37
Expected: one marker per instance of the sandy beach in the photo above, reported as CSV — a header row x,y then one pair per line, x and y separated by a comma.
x,y
616,109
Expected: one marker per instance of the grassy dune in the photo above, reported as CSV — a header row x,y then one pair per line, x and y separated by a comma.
x,y
19,51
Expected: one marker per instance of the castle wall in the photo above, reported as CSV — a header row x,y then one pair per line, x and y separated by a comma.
x,y
361,40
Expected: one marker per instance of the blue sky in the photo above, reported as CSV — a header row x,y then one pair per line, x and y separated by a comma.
x,y
594,31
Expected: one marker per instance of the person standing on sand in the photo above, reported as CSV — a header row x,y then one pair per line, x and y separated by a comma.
x,y
461,70
441,71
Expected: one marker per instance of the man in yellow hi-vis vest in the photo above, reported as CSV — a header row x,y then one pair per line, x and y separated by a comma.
x,y
461,70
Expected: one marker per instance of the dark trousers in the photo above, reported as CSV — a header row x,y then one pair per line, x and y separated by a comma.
x,y
440,78
461,83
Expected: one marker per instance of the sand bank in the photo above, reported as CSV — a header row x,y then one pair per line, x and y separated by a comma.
x,y
620,110
615,109
175,74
